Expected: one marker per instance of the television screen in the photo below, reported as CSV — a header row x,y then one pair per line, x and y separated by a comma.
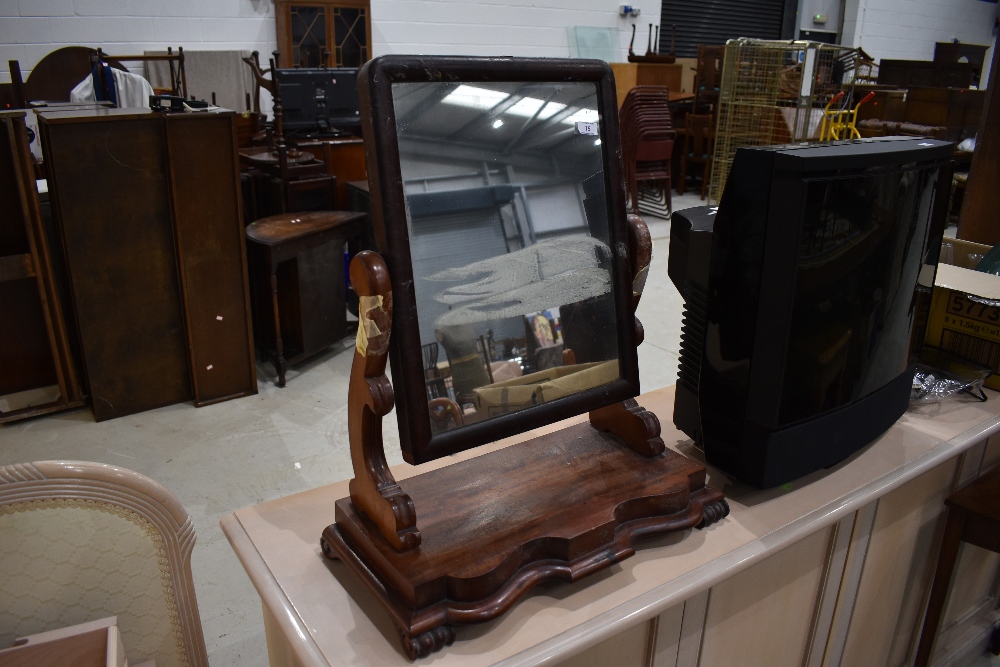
x,y
799,301
319,100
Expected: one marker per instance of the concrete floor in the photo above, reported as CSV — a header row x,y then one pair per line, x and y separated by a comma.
x,y
220,458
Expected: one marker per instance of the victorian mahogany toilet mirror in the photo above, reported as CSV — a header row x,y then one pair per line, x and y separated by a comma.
x,y
500,214
498,205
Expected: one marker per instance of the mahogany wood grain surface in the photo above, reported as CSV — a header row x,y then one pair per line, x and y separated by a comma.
x,y
112,208
370,397
568,497
148,212
560,506
34,347
204,177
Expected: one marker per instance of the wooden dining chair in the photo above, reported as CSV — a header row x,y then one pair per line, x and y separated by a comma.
x,y
699,132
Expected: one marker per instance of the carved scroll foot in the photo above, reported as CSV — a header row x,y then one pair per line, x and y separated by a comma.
x,y
428,642
713,512
636,426
327,550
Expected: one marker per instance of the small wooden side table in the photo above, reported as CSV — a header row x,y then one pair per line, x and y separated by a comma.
x,y
297,282
973,517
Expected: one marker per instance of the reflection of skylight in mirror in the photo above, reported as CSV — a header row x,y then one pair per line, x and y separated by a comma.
x,y
582,116
476,98
529,105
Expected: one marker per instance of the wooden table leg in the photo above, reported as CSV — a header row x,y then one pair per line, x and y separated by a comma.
x,y
279,346
942,580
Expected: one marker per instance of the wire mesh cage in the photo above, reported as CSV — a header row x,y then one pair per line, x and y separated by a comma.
x,y
775,92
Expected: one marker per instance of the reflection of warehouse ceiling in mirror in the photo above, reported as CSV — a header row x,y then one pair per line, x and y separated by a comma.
x,y
505,118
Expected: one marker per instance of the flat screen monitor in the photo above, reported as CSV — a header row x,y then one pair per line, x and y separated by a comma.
x,y
319,100
800,294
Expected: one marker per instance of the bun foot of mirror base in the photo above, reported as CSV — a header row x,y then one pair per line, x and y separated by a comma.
x,y
713,512
561,506
427,642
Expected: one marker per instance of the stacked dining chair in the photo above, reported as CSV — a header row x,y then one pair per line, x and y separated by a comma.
x,y
647,145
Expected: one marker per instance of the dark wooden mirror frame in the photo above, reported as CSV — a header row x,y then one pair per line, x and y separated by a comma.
x,y
388,213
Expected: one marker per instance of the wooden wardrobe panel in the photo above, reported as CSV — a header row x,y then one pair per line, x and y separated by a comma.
x,y
897,571
13,235
110,194
25,354
776,597
34,347
206,203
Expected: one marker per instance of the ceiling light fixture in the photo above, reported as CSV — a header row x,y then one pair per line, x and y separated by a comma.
x,y
527,106
476,98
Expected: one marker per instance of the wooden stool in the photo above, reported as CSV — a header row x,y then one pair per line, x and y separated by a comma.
x,y
973,517
297,282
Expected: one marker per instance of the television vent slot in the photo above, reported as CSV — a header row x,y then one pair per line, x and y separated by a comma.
x,y
692,345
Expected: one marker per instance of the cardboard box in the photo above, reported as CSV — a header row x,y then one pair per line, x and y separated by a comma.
x,y
501,398
93,644
964,316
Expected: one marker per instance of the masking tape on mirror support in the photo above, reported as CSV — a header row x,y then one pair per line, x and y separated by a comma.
x,y
367,328
639,283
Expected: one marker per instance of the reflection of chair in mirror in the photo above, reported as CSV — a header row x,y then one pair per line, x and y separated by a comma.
x,y
433,376
465,360
83,541
444,410
484,351
697,150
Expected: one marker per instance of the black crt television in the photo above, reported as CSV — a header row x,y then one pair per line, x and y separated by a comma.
x,y
318,100
800,293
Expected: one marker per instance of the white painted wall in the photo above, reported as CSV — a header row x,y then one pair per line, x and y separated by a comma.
x,y
502,27
29,29
908,29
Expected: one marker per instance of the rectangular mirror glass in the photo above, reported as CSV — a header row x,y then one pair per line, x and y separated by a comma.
x,y
498,205
509,243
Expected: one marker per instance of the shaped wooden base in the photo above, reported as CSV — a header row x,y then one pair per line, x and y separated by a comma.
x,y
560,506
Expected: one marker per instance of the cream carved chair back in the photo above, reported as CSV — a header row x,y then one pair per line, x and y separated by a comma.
x,y
82,541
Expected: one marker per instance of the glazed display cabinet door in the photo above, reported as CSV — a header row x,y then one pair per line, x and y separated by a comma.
x,y
336,33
